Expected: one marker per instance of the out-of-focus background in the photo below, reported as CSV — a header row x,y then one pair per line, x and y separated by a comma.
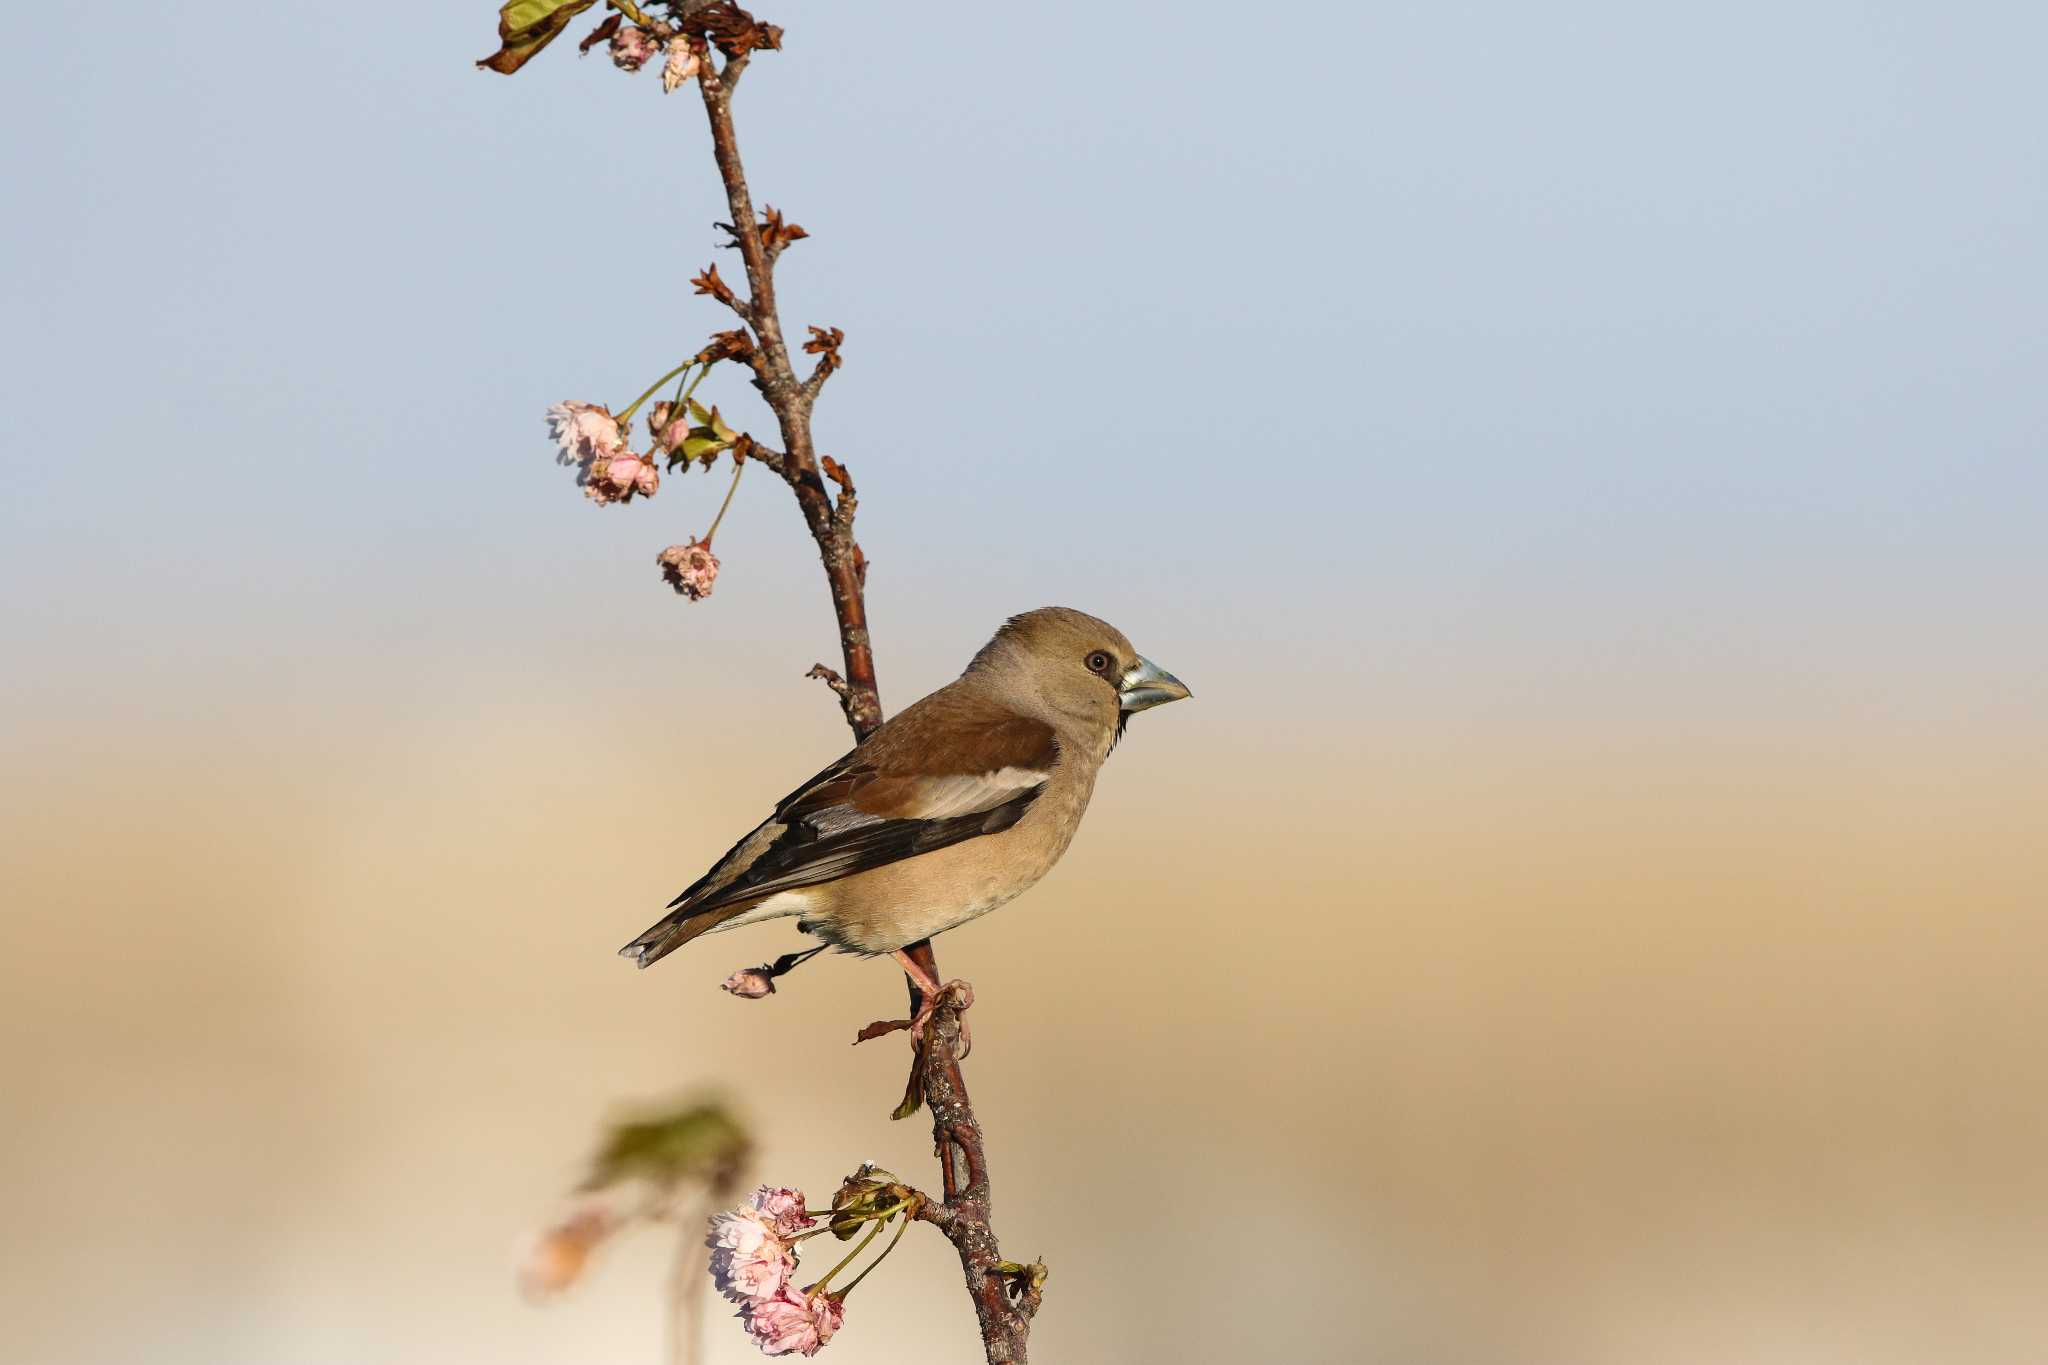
x,y
1587,460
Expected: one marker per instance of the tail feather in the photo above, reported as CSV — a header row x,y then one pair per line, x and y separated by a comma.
x,y
673,930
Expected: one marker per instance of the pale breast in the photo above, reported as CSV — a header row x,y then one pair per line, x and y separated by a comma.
x,y
889,907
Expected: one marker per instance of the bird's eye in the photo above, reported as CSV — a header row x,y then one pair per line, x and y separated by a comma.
x,y
1098,662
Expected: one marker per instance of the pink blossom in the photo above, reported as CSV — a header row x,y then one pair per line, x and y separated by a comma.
x,y
667,428
597,484
793,1323
750,984
584,432
691,569
618,476
631,473
783,1208
632,47
588,437
744,1276
682,64
749,1258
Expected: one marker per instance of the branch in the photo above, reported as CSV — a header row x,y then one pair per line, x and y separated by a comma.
x,y
1006,1294
791,403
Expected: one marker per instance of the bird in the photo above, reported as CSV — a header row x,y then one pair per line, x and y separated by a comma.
x,y
952,808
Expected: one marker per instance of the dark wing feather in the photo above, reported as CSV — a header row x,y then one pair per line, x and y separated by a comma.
x,y
804,857
950,768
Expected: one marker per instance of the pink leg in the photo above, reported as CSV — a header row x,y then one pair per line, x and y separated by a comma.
x,y
932,991
917,974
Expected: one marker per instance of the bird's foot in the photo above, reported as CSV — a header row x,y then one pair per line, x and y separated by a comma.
x,y
954,995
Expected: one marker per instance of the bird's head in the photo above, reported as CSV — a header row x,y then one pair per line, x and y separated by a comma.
x,y
1071,669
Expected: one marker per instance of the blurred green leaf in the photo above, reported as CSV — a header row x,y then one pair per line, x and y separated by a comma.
x,y
697,1141
527,26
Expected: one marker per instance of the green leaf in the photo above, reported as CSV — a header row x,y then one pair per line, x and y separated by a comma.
x,y
710,420
527,26
700,1141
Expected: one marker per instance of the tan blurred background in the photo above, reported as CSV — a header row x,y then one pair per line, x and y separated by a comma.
x,y
1461,1047
1586,459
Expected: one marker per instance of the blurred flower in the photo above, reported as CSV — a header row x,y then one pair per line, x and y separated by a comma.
x,y
632,48
793,1323
751,983
558,1255
682,64
690,569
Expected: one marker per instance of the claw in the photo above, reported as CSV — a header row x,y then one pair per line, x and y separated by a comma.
x,y
955,995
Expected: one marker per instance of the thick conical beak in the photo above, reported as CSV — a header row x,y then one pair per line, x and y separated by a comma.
x,y
1147,685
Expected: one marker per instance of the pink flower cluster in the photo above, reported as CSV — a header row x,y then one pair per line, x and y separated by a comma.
x,y
682,64
793,1323
633,47
753,1256
591,440
690,569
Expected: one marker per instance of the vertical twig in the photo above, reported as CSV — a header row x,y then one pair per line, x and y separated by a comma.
x,y
1005,1294
790,401
687,1277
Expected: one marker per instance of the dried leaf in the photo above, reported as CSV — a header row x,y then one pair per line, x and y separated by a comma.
x,y
836,472
602,33
527,26
707,282
734,30
825,343
733,345
881,1028
776,234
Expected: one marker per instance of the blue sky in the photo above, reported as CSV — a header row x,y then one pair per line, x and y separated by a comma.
x,y
1470,340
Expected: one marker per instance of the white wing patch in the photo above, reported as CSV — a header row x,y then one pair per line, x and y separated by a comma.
x,y
963,795
938,798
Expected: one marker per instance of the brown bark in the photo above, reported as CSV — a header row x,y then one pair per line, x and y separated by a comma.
x,y
1005,1295
791,400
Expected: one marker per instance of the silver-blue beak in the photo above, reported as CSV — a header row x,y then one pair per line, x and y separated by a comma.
x,y
1145,685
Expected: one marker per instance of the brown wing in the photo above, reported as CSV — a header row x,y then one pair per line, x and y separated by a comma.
x,y
950,768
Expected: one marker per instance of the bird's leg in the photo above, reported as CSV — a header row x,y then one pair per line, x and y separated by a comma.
x,y
927,984
929,987
928,994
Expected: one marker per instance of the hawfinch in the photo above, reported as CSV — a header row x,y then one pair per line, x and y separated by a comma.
x,y
955,806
